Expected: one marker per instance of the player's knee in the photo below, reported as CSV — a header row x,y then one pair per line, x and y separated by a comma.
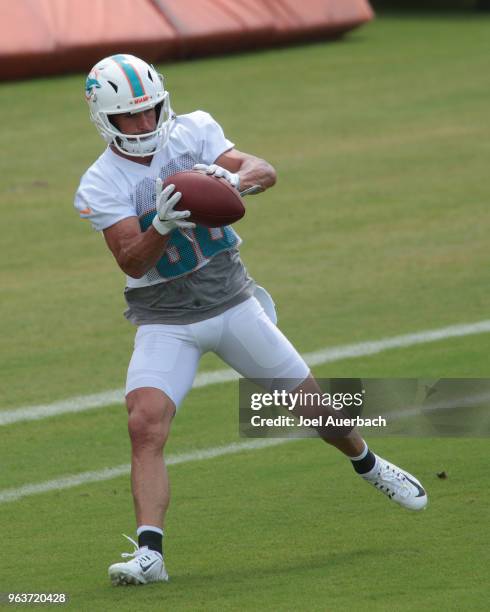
x,y
149,419
148,429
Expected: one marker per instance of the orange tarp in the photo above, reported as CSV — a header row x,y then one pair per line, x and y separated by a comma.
x,y
51,36
214,26
41,37
299,19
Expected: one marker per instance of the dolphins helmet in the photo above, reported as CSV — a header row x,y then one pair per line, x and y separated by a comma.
x,y
126,84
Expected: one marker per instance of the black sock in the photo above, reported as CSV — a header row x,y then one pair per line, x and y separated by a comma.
x,y
366,464
152,539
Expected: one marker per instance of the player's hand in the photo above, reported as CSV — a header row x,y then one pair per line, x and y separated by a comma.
x,y
220,172
168,219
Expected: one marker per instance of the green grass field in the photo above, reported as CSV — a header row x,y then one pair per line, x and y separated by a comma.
x,y
378,226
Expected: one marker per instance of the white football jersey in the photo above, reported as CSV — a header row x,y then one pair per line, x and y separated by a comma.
x,y
115,188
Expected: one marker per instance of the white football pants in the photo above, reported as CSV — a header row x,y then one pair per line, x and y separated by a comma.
x,y
166,356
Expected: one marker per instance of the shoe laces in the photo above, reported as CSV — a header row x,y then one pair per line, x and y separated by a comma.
x,y
137,550
389,474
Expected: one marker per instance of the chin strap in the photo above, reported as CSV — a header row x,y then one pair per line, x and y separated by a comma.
x,y
140,145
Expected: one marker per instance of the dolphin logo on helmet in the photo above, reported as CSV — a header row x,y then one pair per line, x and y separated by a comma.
x,y
90,84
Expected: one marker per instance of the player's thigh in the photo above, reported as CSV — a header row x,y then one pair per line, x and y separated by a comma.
x,y
165,358
257,349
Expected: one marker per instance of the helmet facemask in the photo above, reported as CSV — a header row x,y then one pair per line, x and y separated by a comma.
x,y
139,145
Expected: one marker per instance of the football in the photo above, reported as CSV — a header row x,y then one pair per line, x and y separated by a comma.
x,y
212,201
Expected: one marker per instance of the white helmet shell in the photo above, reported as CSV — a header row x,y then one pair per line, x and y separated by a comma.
x,y
126,84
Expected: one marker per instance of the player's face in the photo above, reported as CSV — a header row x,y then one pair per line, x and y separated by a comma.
x,y
137,123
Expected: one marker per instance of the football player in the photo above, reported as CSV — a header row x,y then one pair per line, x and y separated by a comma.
x,y
187,290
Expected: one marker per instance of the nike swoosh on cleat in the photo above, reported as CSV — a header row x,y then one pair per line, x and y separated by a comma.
x,y
145,568
416,484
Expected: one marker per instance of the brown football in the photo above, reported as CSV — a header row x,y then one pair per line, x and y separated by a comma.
x,y
213,202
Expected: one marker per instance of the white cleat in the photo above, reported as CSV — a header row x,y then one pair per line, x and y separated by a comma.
x,y
146,566
398,485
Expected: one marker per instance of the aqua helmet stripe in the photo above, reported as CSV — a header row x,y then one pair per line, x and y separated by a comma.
x,y
131,74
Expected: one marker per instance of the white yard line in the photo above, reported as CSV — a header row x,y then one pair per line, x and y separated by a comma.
x,y
74,480
67,482
79,404
327,355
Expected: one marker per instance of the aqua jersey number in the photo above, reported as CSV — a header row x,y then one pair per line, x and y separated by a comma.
x,y
183,256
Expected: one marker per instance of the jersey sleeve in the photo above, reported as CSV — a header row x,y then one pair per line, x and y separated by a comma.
x,y
102,205
211,140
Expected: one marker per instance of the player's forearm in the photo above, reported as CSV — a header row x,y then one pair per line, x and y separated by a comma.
x,y
139,254
256,171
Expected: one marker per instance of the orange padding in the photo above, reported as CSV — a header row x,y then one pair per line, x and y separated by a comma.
x,y
42,37
213,26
